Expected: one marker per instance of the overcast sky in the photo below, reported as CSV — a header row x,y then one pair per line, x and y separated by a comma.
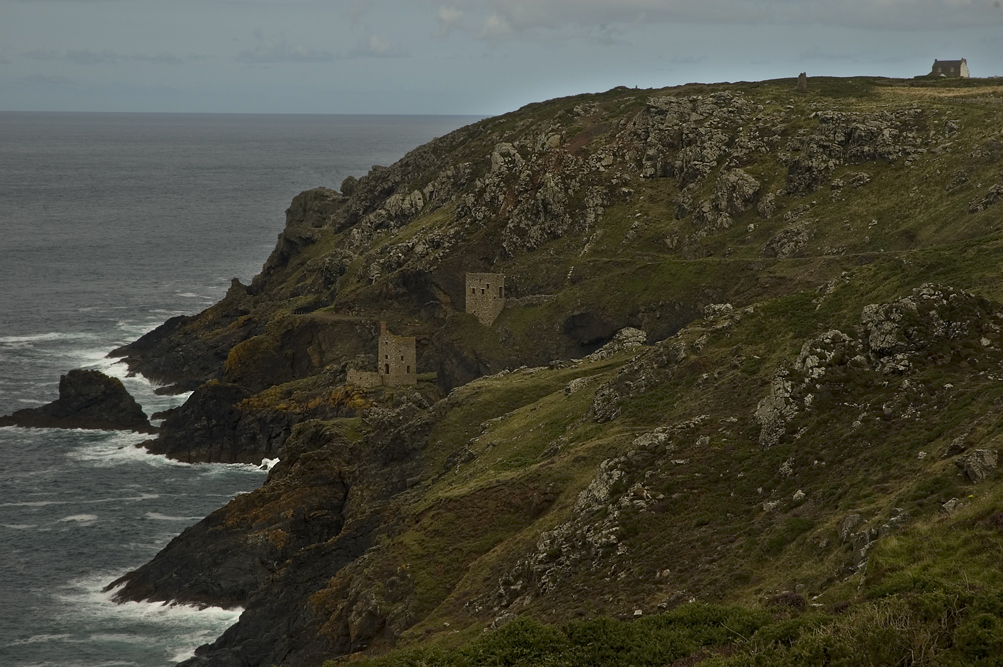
x,y
480,57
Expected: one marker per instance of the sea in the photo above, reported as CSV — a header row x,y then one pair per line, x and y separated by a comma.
x,y
109,225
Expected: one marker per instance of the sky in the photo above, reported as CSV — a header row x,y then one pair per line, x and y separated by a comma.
x,y
476,57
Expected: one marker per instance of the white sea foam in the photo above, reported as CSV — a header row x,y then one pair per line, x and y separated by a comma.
x,y
43,639
180,629
19,526
268,464
163,517
124,639
117,448
93,501
211,470
45,337
190,295
120,450
80,518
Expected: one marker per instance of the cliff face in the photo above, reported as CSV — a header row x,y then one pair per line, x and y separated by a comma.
x,y
755,336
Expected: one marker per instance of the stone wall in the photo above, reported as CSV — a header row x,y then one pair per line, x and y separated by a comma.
x,y
363,379
485,296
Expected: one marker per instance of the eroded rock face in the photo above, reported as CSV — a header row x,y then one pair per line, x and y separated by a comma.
x,y
273,549
994,195
774,411
978,464
625,339
87,399
204,429
223,559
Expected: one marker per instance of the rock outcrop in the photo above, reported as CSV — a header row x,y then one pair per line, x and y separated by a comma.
x,y
87,399
225,558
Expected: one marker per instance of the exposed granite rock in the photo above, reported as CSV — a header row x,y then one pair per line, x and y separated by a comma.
x,y
767,205
790,241
807,173
978,464
951,506
774,411
87,399
624,340
895,337
980,204
735,192
851,138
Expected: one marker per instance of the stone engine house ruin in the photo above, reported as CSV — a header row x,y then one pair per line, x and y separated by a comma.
x,y
485,296
396,363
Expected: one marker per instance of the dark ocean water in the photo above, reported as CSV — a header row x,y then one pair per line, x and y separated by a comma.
x,y
109,224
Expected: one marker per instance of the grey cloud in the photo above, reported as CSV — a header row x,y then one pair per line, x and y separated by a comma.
x,y
874,58
816,53
279,51
496,20
48,79
375,47
358,9
106,57
272,51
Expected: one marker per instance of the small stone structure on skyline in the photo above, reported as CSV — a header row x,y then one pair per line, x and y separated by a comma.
x,y
803,82
950,68
485,296
396,363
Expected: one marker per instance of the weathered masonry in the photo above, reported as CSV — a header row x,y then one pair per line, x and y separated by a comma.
x,y
396,363
950,68
485,296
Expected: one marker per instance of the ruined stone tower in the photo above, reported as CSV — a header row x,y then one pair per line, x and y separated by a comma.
x,y
396,363
485,296
397,359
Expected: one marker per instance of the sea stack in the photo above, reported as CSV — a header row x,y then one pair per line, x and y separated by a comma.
x,y
87,399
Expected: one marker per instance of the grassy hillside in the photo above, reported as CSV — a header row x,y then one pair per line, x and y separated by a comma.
x,y
793,461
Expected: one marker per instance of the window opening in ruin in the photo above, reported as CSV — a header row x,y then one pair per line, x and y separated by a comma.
x,y
408,369
387,371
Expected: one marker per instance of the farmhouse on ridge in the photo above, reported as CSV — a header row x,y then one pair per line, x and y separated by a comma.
x,y
950,68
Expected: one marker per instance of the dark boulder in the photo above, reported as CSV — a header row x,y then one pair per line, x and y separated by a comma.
x,y
87,399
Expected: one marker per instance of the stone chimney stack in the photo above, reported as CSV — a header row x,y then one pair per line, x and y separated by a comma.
x,y
383,328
